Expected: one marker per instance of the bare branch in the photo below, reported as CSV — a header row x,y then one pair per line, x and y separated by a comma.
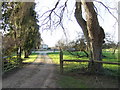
x,y
48,19
107,9
63,29
97,12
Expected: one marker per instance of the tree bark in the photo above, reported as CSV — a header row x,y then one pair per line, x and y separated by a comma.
x,y
94,34
19,52
26,54
80,20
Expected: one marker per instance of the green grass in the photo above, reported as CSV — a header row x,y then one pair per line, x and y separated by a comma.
x,y
67,65
55,57
70,82
109,57
70,67
31,58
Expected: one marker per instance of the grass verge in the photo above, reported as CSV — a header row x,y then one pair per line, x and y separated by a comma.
x,y
73,78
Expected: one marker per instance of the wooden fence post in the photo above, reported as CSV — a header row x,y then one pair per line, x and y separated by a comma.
x,y
61,61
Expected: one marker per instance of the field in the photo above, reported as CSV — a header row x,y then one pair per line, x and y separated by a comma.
x,y
74,78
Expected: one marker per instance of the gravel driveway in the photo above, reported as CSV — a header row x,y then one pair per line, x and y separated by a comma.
x,y
39,74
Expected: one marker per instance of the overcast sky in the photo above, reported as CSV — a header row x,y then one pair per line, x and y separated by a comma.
x,y
50,37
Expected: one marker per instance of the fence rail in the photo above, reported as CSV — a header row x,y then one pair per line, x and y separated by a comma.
x,y
116,63
9,63
95,61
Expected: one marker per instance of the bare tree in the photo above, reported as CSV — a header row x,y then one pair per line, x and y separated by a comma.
x,y
93,32
61,44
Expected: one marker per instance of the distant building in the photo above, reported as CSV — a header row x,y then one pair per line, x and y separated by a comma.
x,y
44,46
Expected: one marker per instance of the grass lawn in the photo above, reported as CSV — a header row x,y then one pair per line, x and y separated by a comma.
x,y
71,82
109,57
31,58
71,79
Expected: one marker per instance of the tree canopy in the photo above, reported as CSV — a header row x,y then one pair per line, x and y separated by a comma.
x,y
20,22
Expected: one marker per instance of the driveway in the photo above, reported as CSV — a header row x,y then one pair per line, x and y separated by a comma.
x,y
39,74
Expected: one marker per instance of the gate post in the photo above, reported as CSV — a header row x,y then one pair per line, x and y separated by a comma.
x,y
61,61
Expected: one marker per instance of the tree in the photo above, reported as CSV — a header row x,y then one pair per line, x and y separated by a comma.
x,y
61,44
12,20
32,36
8,45
20,20
93,32
79,45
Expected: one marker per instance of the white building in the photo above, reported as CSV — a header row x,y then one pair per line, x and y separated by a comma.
x,y
44,46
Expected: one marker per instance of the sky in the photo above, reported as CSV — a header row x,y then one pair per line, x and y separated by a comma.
x,y
50,37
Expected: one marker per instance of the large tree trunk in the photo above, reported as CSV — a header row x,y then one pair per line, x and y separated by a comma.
x,y
81,21
96,55
94,34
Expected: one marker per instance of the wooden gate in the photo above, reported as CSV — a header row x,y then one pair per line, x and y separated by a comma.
x,y
9,63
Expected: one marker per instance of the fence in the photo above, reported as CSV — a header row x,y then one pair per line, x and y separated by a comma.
x,y
63,60
9,63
